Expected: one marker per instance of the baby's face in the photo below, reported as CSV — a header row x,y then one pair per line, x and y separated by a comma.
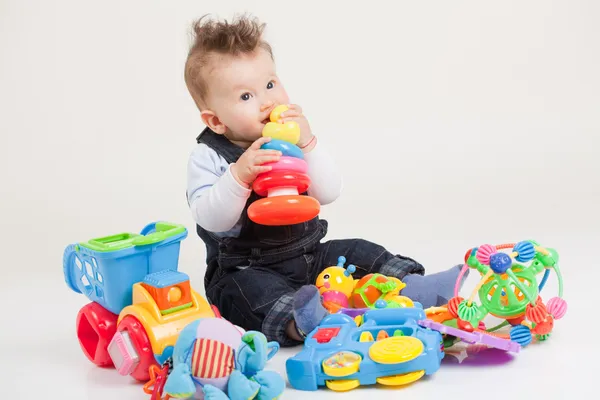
x,y
242,93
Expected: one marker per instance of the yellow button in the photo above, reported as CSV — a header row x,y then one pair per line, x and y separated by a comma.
x,y
396,349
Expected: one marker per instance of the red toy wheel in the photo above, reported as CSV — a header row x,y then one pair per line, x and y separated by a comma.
x,y
275,179
283,210
142,346
95,328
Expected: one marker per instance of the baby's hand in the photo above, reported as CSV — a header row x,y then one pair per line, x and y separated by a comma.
x,y
295,114
249,165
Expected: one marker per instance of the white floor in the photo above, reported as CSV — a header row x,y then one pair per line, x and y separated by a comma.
x,y
41,355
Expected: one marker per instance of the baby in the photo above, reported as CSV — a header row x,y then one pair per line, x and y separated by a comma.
x,y
262,277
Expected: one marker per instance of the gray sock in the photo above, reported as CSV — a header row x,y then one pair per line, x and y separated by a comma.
x,y
432,290
308,310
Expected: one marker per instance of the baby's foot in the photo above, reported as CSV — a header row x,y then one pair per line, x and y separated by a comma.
x,y
308,310
435,289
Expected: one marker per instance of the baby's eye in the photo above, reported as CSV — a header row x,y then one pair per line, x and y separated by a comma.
x,y
271,85
245,96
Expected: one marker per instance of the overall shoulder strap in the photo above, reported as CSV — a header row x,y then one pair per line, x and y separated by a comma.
x,y
219,143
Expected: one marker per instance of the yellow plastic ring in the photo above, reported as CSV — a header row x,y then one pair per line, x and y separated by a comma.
x,y
276,113
288,132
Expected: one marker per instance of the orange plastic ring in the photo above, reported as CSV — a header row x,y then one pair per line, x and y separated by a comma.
x,y
275,179
284,210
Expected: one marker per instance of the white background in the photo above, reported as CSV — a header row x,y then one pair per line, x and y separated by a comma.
x,y
456,123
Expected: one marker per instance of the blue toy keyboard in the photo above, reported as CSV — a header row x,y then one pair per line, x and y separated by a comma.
x,y
384,346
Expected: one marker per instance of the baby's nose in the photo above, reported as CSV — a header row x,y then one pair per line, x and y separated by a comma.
x,y
266,106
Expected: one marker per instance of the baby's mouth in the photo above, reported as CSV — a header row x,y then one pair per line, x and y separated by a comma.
x,y
266,120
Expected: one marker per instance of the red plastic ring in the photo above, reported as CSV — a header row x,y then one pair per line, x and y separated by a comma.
x,y
283,210
275,179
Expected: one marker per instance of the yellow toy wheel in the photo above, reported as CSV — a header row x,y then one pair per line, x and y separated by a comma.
x,y
400,380
343,385
396,350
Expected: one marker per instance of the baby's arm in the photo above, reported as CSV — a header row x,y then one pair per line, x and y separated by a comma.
x,y
326,178
215,198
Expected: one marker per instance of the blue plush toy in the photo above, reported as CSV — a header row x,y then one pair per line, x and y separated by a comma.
x,y
214,360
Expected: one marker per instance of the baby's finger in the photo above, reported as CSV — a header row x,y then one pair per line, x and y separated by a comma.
x,y
260,169
288,119
256,145
259,160
289,114
262,152
295,107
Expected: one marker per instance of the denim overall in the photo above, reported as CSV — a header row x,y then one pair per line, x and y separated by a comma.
x,y
252,278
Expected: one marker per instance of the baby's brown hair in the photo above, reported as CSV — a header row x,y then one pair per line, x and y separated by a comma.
x,y
243,35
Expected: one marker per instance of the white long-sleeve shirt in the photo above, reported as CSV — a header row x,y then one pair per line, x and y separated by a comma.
x,y
217,200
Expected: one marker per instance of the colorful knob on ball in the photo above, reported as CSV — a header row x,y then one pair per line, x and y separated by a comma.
x,y
525,251
520,334
484,252
453,306
557,307
468,313
538,313
500,262
544,327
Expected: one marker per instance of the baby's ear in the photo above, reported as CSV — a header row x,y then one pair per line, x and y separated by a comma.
x,y
213,122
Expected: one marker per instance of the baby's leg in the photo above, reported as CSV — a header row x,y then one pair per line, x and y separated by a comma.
x,y
257,299
308,311
432,290
435,289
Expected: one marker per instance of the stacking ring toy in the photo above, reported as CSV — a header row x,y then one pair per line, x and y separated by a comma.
x,y
290,164
282,188
287,149
284,182
288,132
508,289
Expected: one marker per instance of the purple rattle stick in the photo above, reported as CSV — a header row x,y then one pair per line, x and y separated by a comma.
x,y
473,337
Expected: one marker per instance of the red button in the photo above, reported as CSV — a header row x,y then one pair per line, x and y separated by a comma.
x,y
324,335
